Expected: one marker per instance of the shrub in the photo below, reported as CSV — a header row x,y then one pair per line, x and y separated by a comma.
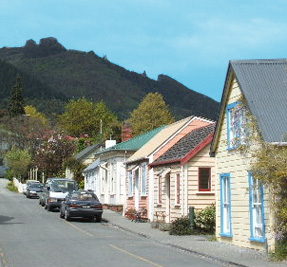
x,y
181,226
82,184
205,219
12,187
280,251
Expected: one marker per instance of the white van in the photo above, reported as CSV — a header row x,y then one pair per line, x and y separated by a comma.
x,y
55,191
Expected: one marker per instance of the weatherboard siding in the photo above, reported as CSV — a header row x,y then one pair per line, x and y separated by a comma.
x,y
194,198
237,165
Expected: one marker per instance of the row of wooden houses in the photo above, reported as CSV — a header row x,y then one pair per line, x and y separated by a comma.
x,y
195,162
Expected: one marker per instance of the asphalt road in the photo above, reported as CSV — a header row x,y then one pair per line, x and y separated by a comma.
x,y
31,236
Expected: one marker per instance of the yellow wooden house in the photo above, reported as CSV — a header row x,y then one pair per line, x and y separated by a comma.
x,y
243,214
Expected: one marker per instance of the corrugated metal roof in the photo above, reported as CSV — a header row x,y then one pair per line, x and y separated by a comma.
x,y
158,139
186,144
264,85
92,166
134,143
86,151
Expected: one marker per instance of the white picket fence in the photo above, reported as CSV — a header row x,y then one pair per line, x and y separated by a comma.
x,y
19,185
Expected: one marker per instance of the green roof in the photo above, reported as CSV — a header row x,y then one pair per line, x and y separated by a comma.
x,y
134,143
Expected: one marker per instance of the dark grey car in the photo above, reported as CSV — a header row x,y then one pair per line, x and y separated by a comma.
x,y
34,189
83,204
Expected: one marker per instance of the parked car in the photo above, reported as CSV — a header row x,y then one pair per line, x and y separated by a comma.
x,y
82,204
34,189
24,186
55,191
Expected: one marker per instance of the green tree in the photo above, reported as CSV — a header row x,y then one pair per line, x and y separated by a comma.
x,y
16,104
151,113
32,112
86,118
18,160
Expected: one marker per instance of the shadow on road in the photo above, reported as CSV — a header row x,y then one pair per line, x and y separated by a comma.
x,y
5,219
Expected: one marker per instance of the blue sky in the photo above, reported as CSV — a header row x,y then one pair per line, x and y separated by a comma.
x,y
188,40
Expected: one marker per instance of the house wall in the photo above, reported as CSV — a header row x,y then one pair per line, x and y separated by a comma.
x,y
143,199
200,199
189,192
194,124
238,165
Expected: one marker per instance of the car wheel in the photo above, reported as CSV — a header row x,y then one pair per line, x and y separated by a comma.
x,y
49,208
98,218
67,217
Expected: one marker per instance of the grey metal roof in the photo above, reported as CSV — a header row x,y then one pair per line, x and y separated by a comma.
x,y
92,166
186,144
86,151
264,85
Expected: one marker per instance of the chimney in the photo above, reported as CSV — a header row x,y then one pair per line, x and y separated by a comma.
x,y
110,143
126,132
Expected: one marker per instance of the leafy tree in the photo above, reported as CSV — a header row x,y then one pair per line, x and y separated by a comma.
x,y
83,117
51,154
18,161
151,113
76,167
24,132
16,105
32,112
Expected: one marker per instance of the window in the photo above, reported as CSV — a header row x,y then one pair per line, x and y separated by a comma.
x,y
130,176
159,190
177,188
225,204
204,179
256,209
236,119
144,179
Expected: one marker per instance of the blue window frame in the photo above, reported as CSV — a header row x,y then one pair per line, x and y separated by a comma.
x,y
236,132
225,205
257,216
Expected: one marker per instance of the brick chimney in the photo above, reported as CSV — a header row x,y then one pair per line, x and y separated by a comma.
x,y
126,132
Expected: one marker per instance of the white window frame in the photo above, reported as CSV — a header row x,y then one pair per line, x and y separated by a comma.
x,y
225,205
131,184
236,125
144,172
257,215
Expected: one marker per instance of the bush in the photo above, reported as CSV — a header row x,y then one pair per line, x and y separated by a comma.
x,y
82,184
205,219
10,174
12,187
280,251
181,226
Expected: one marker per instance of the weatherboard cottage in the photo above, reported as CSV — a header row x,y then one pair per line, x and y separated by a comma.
x,y
243,214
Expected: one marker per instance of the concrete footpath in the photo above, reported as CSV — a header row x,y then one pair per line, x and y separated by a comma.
x,y
200,245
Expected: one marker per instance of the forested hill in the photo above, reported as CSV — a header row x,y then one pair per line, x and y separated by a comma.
x,y
52,75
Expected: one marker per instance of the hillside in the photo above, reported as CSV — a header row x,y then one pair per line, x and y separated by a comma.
x,y
52,75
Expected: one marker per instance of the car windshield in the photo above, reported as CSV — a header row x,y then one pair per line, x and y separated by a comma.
x,y
84,196
63,186
36,185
